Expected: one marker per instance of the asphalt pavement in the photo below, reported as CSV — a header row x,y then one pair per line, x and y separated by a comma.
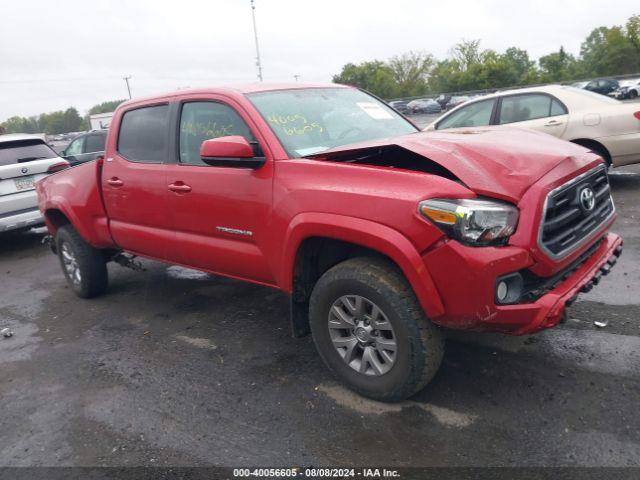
x,y
176,367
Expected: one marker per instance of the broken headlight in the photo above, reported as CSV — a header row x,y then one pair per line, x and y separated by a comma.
x,y
472,221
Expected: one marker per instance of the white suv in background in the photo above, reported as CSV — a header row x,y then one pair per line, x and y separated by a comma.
x,y
24,159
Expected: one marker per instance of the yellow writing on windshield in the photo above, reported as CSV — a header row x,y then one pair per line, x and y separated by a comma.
x,y
295,124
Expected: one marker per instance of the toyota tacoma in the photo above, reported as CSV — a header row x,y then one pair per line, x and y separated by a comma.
x,y
383,236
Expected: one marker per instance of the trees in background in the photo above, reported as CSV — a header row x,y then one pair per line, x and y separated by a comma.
x,y
411,72
403,75
61,121
105,107
606,51
375,76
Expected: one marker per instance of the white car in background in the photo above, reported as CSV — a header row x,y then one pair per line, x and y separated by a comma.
x,y
628,89
604,125
24,159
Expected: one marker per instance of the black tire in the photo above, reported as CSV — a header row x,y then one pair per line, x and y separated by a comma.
x,y
89,261
420,344
633,94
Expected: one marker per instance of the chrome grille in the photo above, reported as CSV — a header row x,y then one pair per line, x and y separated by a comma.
x,y
567,220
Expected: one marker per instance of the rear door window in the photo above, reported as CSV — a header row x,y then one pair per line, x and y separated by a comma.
x,y
477,114
24,151
143,134
520,108
94,143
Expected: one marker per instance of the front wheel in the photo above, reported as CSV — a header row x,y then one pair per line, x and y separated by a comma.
x,y
83,265
371,331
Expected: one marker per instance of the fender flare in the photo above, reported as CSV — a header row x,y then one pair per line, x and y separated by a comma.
x,y
93,238
366,233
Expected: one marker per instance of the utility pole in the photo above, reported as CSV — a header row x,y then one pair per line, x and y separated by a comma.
x,y
255,34
126,79
296,77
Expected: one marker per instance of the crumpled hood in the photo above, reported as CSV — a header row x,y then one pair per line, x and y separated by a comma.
x,y
501,163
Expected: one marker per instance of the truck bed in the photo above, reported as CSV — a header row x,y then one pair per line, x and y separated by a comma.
x,y
75,195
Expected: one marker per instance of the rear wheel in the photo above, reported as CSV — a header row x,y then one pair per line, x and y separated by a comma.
x,y
371,331
633,94
83,265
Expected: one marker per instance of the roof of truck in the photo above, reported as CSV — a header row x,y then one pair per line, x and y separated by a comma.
x,y
236,89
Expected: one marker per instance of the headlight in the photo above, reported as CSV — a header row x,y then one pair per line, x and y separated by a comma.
x,y
474,222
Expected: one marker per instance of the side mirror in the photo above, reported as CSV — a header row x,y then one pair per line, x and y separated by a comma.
x,y
231,151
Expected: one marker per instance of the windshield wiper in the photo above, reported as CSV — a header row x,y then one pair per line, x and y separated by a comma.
x,y
30,159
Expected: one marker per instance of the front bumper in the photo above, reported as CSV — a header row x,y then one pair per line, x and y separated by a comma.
x,y
465,279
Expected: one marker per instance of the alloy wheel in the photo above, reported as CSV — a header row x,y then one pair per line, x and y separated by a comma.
x,y
362,335
71,264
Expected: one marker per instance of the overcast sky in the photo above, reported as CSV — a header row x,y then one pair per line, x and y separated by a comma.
x,y
74,53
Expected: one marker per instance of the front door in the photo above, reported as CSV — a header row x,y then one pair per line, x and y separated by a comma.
x,y
134,183
220,214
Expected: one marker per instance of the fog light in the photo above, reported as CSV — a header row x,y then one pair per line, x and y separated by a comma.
x,y
501,291
509,288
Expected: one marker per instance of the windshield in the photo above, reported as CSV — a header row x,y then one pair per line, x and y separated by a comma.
x,y
24,151
308,121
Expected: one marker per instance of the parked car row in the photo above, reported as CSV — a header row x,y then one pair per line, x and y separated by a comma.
x,y
604,86
428,105
628,91
85,147
602,124
423,105
622,90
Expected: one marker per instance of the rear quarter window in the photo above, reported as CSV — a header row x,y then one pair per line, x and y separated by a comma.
x,y
143,134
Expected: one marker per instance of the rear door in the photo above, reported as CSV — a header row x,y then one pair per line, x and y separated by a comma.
x,y
22,163
134,181
538,111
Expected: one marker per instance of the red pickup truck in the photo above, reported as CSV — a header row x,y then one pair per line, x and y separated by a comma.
x,y
380,233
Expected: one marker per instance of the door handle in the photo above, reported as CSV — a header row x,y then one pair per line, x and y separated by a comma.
x,y
115,182
553,123
179,187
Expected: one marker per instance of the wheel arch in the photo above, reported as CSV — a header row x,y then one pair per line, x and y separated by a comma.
x,y
317,241
55,218
596,146
93,229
